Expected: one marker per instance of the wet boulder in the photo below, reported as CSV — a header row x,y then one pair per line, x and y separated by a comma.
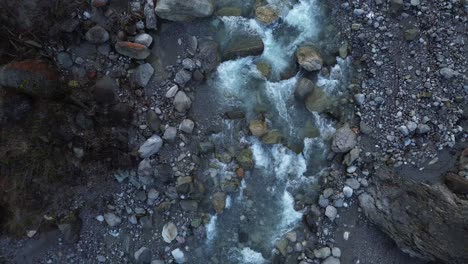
x,y
183,10
245,159
303,88
266,14
272,137
344,140
219,202
243,46
258,128
426,221
308,58
32,77
317,100
209,55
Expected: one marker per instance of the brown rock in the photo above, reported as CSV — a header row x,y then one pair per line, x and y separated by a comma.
x,y
309,58
132,50
258,128
266,14
219,202
429,222
456,183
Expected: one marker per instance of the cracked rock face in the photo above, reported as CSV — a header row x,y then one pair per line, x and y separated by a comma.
x,y
429,222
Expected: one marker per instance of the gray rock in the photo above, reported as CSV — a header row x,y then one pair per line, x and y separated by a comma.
x,y
323,202
353,183
64,60
153,121
182,77
189,205
351,169
344,140
304,88
145,169
404,131
153,194
423,129
182,10
97,35
143,256
170,134
189,64
172,91
359,99
352,156
347,191
322,252
182,102
209,55
142,74
331,260
151,146
328,192
150,15
331,212
178,256
448,73
187,126
336,252
112,220
144,39
169,232
411,126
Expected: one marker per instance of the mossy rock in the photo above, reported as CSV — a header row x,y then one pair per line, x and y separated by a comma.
x,y
229,11
272,137
317,101
245,159
264,68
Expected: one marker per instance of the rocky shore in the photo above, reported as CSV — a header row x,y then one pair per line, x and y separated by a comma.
x,y
124,99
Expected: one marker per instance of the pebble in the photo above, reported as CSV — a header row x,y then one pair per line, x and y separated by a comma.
x,y
353,183
151,146
322,252
169,232
172,91
336,252
142,74
351,169
331,212
331,260
170,134
178,255
348,191
189,64
144,39
100,218
112,220
187,126
97,35
182,102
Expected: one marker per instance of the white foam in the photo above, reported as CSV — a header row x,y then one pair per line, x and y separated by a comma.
x,y
279,94
325,126
236,24
303,16
233,76
228,202
249,256
289,215
211,229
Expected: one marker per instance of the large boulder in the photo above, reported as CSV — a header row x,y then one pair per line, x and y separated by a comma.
x,y
266,14
33,77
309,58
317,100
426,221
243,46
209,55
303,88
183,10
344,140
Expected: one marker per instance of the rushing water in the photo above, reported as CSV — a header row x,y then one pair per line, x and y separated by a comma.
x,y
263,208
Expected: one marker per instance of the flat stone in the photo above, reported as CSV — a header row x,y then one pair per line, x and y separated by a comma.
x,y
144,39
172,91
151,146
97,35
142,74
187,126
132,50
